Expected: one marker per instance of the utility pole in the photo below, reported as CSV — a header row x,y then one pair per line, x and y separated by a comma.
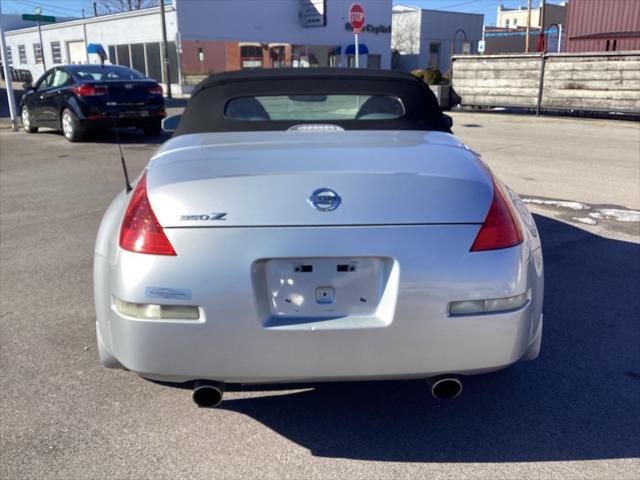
x,y
165,50
9,83
544,38
526,38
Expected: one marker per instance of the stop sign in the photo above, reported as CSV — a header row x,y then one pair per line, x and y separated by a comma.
x,y
356,17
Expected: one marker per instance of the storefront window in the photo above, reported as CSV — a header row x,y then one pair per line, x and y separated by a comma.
x,y
251,56
277,55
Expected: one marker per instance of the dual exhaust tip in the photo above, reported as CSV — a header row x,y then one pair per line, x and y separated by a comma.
x,y
208,394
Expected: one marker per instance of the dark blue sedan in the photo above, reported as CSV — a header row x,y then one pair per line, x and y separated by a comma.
x,y
79,98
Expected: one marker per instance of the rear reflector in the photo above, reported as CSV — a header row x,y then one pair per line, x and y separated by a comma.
x,y
494,305
89,90
141,232
500,228
150,311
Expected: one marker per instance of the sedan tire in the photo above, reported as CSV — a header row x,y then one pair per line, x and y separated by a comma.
x,y
25,115
70,128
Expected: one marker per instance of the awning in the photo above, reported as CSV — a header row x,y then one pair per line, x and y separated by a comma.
x,y
362,49
96,48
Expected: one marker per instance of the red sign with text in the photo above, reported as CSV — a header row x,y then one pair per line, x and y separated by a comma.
x,y
356,17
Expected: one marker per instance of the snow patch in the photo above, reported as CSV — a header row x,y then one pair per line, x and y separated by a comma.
x,y
621,215
587,220
557,203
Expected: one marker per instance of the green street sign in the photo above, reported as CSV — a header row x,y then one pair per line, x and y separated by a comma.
x,y
38,18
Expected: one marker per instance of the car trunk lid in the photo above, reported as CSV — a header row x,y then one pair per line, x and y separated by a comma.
x,y
286,178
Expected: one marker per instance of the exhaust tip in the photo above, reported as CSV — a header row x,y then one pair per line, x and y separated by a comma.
x,y
208,394
446,388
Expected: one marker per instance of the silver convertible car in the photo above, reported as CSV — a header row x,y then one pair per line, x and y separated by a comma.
x,y
316,225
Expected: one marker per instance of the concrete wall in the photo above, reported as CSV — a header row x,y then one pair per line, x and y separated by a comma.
x,y
591,82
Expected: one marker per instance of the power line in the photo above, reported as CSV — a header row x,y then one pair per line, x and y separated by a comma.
x,y
56,9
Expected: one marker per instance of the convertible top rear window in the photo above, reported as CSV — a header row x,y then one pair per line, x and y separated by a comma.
x,y
314,107
278,99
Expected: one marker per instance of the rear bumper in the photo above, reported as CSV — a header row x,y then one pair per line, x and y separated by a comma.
x,y
234,342
105,122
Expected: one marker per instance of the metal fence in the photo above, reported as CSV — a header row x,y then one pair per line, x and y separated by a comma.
x,y
598,82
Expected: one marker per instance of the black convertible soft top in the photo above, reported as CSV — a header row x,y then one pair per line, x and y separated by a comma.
x,y
205,111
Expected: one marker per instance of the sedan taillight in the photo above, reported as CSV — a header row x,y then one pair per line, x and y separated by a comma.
x,y
155,90
140,231
500,228
89,90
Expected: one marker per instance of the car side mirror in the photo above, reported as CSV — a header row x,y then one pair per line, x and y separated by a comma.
x,y
170,124
27,86
447,120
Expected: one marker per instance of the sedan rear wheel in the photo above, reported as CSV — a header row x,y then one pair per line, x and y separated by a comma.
x,y
26,121
70,126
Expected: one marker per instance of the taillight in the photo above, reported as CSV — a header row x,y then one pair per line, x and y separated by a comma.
x,y
500,229
141,232
155,90
89,90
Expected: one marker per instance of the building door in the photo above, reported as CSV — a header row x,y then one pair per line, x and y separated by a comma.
x,y
373,60
434,55
77,52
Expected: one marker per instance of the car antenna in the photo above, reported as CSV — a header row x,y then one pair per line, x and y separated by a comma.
x,y
115,129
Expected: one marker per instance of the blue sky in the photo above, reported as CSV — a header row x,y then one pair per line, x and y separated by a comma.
x,y
74,7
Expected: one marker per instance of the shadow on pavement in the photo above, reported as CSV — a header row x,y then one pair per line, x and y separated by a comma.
x,y
577,401
128,136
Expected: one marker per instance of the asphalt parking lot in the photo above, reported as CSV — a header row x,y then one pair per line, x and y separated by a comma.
x,y
572,413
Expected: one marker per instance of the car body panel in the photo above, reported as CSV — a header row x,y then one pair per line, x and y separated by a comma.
x,y
393,178
409,334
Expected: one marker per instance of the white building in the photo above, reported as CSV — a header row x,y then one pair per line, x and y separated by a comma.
x,y
133,38
424,38
206,36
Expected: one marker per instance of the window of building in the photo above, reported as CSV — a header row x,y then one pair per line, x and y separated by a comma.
x,y
434,55
250,56
137,57
515,23
374,60
506,23
9,57
615,45
22,53
154,61
37,52
56,54
278,56
112,54
123,55
173,62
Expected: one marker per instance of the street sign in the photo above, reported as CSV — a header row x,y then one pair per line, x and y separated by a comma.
x,y
38,18
356,17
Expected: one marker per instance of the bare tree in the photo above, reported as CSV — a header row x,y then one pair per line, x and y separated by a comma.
x,y
405,34
116,6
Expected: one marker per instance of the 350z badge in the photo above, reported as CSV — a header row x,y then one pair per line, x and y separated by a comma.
x,y
211,216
